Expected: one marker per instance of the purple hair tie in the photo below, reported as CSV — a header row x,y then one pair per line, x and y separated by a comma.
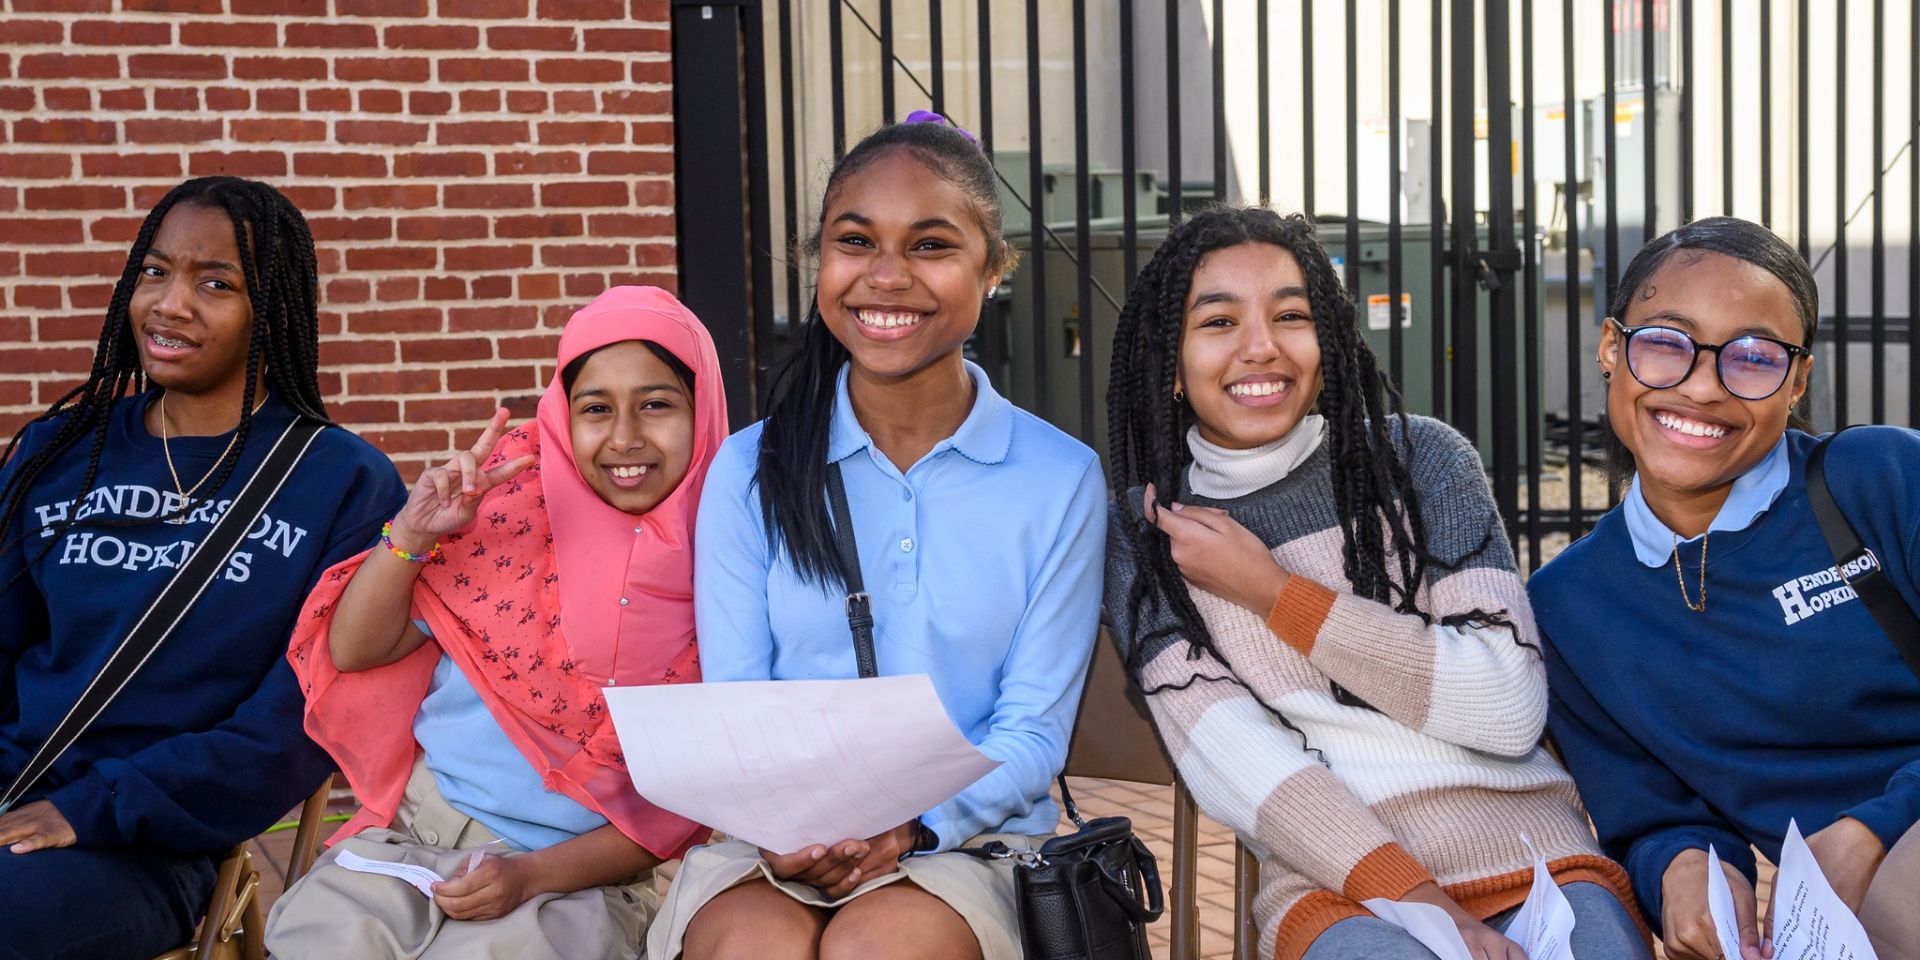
x,y
928,116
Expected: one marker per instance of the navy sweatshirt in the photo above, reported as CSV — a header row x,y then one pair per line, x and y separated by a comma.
x,y
204,747
1784,700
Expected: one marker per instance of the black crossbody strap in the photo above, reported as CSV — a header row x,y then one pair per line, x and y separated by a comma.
x,y
859,605
188,582
1858,564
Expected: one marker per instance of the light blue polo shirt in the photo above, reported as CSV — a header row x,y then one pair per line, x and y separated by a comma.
x,y
984,564
1752,495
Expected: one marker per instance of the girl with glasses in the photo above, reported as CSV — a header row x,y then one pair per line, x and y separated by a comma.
x,y
1712,675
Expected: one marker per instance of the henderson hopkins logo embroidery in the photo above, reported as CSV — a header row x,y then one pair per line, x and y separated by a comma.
x,y
1802,597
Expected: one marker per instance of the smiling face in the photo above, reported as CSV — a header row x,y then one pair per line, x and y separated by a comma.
x,y
631,419
1696,438
1249,354
189,312
904,266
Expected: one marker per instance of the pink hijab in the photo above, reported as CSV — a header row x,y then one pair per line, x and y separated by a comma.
x,y
530,605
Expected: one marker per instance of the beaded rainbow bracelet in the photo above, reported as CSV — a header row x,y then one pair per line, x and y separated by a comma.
x,y
386,537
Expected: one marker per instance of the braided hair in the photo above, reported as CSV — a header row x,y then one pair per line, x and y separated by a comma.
x,y
277,261
792,470
1384,541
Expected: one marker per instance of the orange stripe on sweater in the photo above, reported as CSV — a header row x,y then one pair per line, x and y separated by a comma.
x,y
1299,611
1387,871
1492,895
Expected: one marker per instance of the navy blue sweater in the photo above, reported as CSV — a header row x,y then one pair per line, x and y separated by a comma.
x,y
1783,700
204,748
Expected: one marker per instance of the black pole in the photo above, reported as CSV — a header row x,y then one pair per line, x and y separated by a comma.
x,y
1352,257
1307,101
1612,229
1176,196
753,29
1726,111
1466,290
837,78
788,187
1530,285
1804,186
1840,319
1649,161
887,114
1219,100
985,130
1263,124
1877,405
1766,112
1129,163
936,52
1396,268
1437,224
1576,428
1082,222
1685,44
1501,262
1037,216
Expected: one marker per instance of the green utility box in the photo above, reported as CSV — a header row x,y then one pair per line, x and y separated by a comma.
x,y
1030,351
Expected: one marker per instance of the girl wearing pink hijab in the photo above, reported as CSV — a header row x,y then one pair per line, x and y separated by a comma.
x,y
455,670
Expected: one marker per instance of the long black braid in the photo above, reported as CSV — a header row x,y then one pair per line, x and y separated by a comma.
x,y
278,264
792,472
1374,497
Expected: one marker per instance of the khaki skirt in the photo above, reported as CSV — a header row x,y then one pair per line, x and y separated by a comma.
x,y
335,912
980,891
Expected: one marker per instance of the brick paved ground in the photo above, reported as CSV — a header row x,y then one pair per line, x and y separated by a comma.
x,y
1149,806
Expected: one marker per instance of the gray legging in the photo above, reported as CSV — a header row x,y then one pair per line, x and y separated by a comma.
x,y
1602,931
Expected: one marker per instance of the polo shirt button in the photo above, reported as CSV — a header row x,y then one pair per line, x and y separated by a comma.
x,y
430,838
906,494
906,544
623,601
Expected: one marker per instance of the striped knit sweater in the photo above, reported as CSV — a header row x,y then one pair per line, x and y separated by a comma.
x,y
1437,780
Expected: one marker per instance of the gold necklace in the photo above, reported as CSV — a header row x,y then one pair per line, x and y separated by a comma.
x,y
167,451
1684,598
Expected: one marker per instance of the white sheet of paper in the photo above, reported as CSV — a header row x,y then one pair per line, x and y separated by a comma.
x,y
1720,906
1425,922
1544,925
421,878
787,763
1810,922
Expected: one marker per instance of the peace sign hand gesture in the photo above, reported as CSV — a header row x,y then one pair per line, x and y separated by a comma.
x,y
446,498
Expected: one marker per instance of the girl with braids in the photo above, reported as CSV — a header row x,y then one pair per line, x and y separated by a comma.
x,y
456,669
207,353
1687,723
1317,597
979,540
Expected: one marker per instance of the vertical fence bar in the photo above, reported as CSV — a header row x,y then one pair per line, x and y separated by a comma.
x,y
1803,185
1649,162
1502,338
1436,159
1352,251
1726,110
837,82
1576,428
1766,112
936,53
1176,194
1465,405
788,177
1263,126
1306,106
1129,164
1839,285
1396,270
984,10
1607,125
1219,100
759,214
1037,215
1530,284
1083,222
1877,404
1685,45
887,114
1913,221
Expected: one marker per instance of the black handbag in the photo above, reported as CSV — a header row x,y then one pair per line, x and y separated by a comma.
x,y
1859,566
1088,895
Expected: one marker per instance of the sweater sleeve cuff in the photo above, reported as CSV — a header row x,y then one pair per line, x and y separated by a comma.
x,y
87,804
1389,872
1649,858
1299,611
1891,814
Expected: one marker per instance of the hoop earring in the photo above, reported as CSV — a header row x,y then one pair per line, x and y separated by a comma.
x,y
1179,395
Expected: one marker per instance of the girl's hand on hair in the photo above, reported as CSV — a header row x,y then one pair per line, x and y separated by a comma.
x,y
493,889
1218,555
36,826
825,866
446,498
1686,923
1483,942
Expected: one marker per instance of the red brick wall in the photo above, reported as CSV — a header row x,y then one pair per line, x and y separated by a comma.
x,y
474,171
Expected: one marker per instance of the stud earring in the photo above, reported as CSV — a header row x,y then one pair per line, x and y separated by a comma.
x,y
1606,374
1179,395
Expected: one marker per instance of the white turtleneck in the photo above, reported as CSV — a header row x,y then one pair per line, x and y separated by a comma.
x,y
1222,473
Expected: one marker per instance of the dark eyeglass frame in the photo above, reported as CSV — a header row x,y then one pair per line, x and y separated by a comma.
x,y
1794,353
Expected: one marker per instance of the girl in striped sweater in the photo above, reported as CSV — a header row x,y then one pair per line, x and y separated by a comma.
x,y
1316,594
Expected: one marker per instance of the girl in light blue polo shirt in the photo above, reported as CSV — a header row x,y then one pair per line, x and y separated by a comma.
x,y
980,538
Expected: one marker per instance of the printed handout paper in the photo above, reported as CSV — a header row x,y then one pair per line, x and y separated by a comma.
x,y
1425,922
1726,923
1544,925
787,763
421,878
1810,921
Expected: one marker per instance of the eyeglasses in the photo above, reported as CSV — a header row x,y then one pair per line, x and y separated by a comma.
x,y
1751,368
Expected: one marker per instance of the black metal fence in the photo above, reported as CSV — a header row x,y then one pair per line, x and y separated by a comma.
x,y
1511,205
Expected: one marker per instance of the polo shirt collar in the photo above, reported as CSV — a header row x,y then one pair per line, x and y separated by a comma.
x,y
983,437
1752,495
